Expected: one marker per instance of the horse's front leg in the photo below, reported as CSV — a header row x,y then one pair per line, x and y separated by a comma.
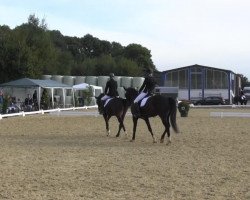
x,y
135,119
106,118
150,129
121,125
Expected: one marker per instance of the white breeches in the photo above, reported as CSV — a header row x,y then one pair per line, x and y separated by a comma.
x,y
105,97
140,97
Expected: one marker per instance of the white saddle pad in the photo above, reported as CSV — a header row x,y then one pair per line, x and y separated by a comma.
x,y
107,101
144,101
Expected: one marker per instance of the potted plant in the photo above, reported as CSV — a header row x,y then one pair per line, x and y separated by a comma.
x,y
183,108
87,94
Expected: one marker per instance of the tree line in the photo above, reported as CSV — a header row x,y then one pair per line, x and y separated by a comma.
x,y
31,50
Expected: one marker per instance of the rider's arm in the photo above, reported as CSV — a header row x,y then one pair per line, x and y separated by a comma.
x,y
106,88
142,86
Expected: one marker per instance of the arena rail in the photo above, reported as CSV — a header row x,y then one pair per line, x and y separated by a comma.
x,y
44,111
222,114
229,114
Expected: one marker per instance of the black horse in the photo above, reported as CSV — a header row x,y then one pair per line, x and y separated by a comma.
x,y
164,107
115,107
240,99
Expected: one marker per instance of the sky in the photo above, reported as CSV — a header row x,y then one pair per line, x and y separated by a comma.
x,y
178,33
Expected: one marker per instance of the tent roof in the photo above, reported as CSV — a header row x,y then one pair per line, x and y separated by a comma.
x,y
81,86
26,82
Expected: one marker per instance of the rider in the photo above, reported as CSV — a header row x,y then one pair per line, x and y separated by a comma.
x,y
110,91
147,88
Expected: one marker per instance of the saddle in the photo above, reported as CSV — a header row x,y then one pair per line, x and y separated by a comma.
x,y
107,101
143,101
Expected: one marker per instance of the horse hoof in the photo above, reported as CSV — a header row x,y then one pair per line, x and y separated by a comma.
x,y
168,143
132,140
161,141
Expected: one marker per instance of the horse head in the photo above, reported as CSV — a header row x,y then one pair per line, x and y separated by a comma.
x,y
130,93
98,99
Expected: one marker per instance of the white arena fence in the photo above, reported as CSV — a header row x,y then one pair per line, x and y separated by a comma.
x,y
212,114
229,114
44,111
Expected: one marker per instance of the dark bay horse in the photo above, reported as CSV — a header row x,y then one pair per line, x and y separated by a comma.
x,y
115,107
164,107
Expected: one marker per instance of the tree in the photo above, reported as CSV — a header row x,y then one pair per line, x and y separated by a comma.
x,y
127,67
11,55
116,49
30,50
244,81
140,55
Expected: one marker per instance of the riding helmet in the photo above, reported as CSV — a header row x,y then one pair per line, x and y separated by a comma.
x,y
111,75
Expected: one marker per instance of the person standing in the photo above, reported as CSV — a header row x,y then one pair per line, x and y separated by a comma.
x,y
1,96
34,97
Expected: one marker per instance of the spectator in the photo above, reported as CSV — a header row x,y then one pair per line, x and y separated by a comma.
x,y
1,96
45,100
28,103
34,97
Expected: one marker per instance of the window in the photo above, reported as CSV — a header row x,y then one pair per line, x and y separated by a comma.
x,y
177,78
196,78
216,79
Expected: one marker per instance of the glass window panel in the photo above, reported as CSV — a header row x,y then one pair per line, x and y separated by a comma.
x,y
196,82
168,82
224,80
183,79
209,79
175,79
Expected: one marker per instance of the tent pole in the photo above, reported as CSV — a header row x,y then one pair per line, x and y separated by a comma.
x,y
63,97
39,98
73,94
52,96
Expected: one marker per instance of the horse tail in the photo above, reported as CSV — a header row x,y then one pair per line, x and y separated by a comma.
x,y
172,113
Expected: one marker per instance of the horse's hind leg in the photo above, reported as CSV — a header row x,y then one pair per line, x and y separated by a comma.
x,y
150,129
106,118
165,121
121,125
134,128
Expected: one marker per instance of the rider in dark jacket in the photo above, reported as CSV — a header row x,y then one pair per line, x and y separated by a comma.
x,y
111,87
110,91
147,88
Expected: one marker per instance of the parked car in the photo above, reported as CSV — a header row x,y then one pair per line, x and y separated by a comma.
x,y
212,100
195,99
246,92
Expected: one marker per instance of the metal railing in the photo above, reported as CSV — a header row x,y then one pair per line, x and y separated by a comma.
x,y
22,113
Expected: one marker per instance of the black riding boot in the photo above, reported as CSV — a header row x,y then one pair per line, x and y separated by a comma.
x,y
137,110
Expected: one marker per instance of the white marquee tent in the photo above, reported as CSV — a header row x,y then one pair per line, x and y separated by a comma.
x,y
37,84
